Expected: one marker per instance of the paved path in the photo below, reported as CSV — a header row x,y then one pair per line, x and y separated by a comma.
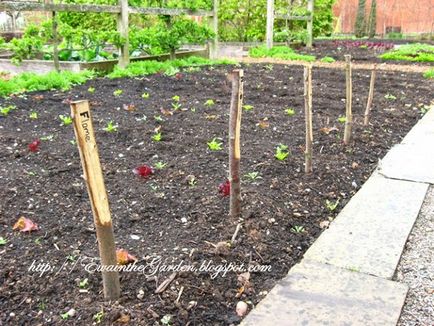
x,y
345,277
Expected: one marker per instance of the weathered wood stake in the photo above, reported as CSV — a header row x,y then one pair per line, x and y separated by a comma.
x,y
370,96
124,55
237,78
349,101
88,149
308,117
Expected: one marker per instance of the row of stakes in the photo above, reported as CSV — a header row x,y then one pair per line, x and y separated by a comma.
x,y
87,146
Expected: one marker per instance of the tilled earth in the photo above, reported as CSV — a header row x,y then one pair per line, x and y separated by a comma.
x,y
337,49
177,213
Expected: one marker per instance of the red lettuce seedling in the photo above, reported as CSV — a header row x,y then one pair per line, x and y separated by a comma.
x,y
25,225
225,188
143,171
34,145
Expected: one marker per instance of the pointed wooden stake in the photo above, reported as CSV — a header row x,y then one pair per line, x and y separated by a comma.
x,y
349,101
237,78
88,149
370,96
308,117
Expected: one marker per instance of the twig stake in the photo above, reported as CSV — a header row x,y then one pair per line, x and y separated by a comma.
x,y
349,101
88,149
308,117
236,77
370,96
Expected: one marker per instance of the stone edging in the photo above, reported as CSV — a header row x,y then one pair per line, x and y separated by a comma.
x,y
345,276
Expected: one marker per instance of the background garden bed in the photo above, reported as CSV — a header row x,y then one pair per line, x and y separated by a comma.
x,y
45,66
284,211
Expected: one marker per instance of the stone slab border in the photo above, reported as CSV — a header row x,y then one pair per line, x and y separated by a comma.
x,y
344,277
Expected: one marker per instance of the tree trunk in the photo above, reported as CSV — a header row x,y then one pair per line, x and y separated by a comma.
x,y
360,27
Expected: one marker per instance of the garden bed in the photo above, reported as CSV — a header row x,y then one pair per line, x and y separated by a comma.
x,y
360,51
168,214
45,66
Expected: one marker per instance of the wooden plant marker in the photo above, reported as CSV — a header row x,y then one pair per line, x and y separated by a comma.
x,y
370,96
308,117
88,149
237,79
349,101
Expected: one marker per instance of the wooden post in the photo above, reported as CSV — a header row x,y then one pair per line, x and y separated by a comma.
x,y
55,43
124,55
310,24
308,117
237,78
270,24
370,96
348,102
213,45
88,150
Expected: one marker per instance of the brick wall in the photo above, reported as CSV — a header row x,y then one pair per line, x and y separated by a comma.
x,y
415,16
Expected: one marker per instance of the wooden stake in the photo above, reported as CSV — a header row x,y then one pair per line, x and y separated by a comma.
x,y
237,78
88,149
370,96
349,100
124,55
308,117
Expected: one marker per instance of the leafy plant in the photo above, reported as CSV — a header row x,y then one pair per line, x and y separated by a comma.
x,y
331,206
3,241
253,176
166,320
328,60
33,115
389,96
282,152
111,127
98,317
141,68
429,74
65,316
157,136
91,90
33,82
84,283
248,107
66,120
158,118
224,188
215,145
417,52
145,95
175,102
209,103
280,52
160,165
4,111
297,229
342,119
118,92
290,111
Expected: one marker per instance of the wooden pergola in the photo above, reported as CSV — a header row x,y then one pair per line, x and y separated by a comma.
x,y
271,16
122,10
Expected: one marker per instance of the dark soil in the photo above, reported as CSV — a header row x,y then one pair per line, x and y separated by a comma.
x,y
284,211
339,48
